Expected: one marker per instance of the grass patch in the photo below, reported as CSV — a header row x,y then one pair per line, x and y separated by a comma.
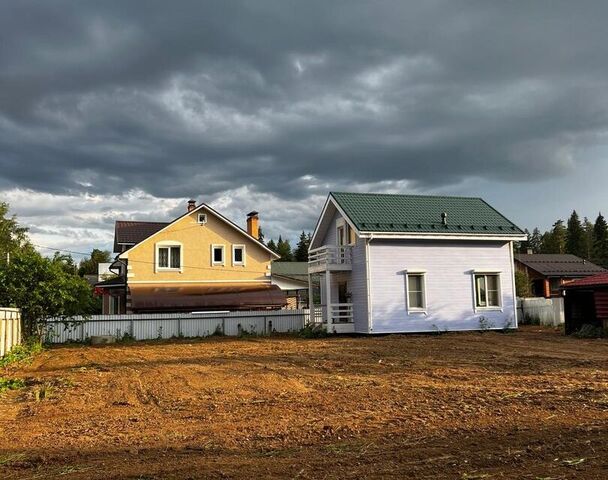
x,y
10,384
22,353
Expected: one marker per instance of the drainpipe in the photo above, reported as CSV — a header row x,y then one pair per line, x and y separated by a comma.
x,y
370,321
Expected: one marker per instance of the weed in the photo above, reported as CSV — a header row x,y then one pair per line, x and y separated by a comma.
x,y
589,331
313,331
44,392
22,353
218,332
126,338
10,384
10,459
485,324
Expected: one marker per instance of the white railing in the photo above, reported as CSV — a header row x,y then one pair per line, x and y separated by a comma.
x,y
341,312
329,255
10,329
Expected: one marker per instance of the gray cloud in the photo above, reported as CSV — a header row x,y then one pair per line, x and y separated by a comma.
x,y
292,98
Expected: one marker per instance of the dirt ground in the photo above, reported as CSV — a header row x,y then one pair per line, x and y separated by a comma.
x,y
527,405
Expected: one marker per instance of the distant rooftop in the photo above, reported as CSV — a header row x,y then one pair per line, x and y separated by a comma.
x,y
131,233
559,265
391,213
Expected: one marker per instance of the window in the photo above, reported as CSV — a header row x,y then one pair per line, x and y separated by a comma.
x,y
217,254
416,292
168,256
202,218
345,234
238,255
487,290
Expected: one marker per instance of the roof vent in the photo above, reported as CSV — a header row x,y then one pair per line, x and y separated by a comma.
x,y
444,218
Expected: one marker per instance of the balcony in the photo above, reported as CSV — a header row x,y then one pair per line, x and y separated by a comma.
x,y
329,258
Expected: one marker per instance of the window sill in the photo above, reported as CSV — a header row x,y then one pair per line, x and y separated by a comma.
x,y
489,309
162,269
417,312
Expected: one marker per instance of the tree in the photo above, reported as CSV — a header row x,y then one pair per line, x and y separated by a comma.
x,y
588,227
575,237
272,246
301,253
522,284
260,235
13,237
89,266
66,262
42,288
284,250
600,241
554,241
535,241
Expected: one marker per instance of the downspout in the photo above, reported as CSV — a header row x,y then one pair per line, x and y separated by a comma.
x,y
370,321
513,285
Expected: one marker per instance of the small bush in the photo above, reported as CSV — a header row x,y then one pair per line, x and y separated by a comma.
x,y
313,331
590,331
126,338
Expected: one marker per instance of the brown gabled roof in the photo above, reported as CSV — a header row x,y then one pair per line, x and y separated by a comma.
x,y
129,233
559,265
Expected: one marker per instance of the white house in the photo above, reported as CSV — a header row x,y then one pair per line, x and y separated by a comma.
x,y
413,263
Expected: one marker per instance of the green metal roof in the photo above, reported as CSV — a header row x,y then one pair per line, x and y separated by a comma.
x,y
376,212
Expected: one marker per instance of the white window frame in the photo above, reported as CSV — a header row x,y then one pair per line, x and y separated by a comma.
x,y
213,262
243,262
486,273
168,244
414,310
198,218
341,223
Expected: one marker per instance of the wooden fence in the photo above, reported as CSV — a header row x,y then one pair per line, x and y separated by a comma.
x,y
170,325
541,311
10,329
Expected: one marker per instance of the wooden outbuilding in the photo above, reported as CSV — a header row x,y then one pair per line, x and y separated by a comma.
x,y
586,302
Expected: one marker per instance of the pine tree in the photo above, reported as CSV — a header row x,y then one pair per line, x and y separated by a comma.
x,y
272,246
600,241
284,250
535,241
575,237
588,227
301,253
260,235
554,241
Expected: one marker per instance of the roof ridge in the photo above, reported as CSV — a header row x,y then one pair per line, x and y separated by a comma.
x,y
421,195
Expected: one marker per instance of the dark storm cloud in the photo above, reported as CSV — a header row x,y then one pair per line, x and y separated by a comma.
x,y
290,97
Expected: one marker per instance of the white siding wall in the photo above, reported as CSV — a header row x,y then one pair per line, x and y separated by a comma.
x,y
356,280
449,285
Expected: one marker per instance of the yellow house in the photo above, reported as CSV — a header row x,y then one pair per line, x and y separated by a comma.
x,y
199,261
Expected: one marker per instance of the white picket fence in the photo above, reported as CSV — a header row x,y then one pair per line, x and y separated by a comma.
x,y
541,311
10,329
170,325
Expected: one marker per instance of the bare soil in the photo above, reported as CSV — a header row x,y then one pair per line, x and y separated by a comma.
x,y
527,405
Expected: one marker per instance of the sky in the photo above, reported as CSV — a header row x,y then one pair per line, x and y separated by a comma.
x,y
125,110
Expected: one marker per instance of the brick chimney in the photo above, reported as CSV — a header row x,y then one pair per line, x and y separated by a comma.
x,y
253,224
191,205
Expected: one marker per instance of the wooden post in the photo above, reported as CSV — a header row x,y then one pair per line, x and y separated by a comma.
x,y
311,303
328,299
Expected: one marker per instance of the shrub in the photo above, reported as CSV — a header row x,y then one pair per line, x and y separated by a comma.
x,y
22,353
590,331
313,331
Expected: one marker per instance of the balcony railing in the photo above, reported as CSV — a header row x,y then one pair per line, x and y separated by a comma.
x,y
330,257
341,312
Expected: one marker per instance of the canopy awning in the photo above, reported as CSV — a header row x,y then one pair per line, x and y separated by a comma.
x,y
206,297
